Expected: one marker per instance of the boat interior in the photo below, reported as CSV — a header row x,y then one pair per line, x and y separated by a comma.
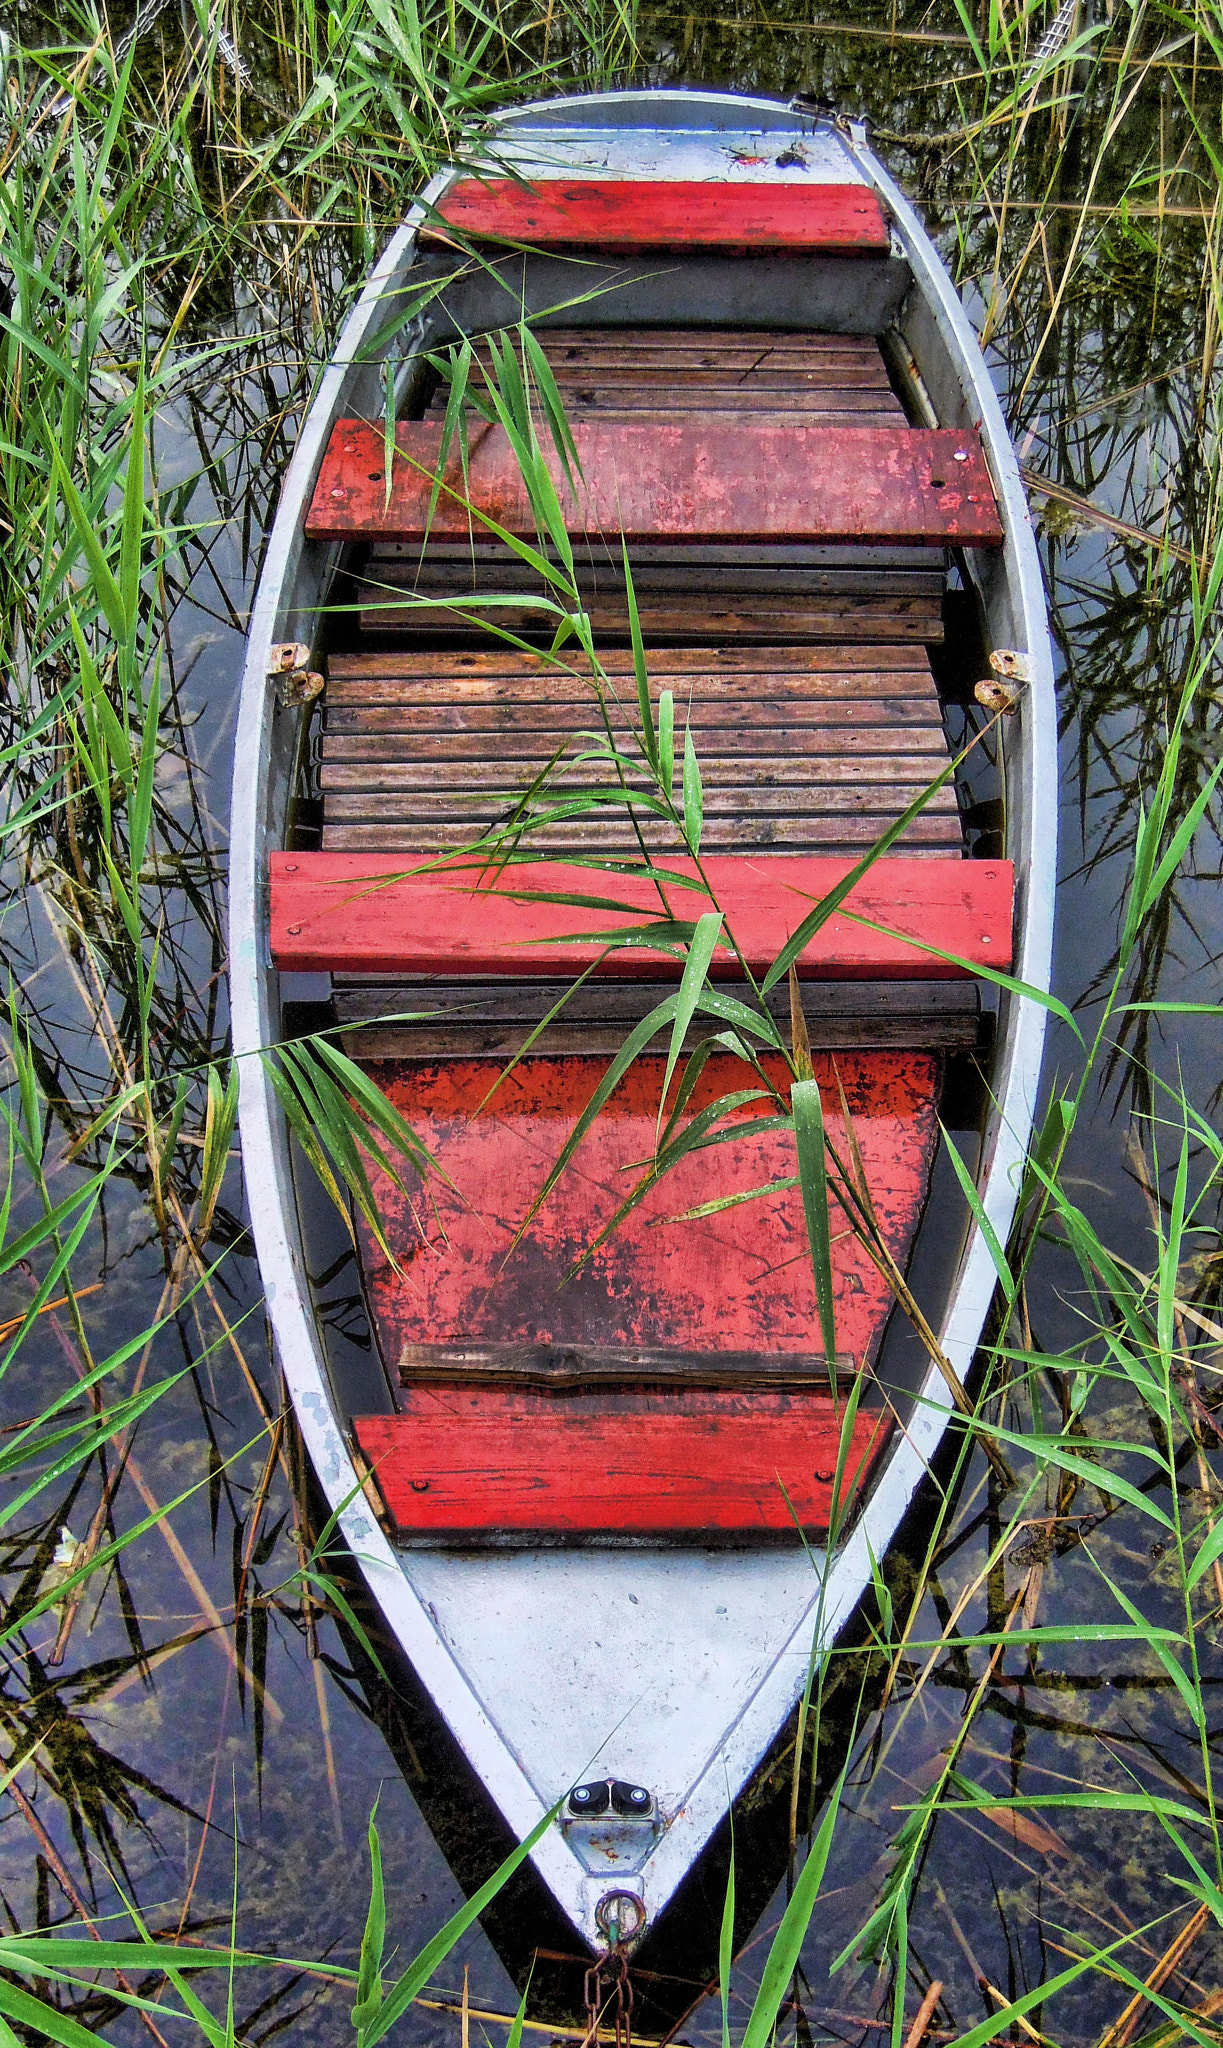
x,y
806,600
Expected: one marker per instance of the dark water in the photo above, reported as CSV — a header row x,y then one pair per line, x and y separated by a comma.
x,y
156,1771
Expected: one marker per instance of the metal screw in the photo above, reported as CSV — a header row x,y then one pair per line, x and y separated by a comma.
x,y
961,455
339,491
290,867
294,931
985,939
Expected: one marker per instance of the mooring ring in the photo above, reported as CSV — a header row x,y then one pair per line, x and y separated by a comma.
x,y
614,1910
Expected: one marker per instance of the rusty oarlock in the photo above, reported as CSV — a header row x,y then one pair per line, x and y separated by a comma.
x,y
1001,691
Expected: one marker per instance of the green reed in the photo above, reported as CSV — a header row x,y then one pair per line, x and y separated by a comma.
x,y
282,143
126,200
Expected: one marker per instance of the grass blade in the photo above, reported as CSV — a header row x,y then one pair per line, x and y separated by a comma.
x,y
694,795
813,1179
788,1941
968,1189
696,967
726,1938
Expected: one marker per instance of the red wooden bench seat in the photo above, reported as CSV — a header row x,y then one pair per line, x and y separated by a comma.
x,y
693,479
464,1462
329,911
622,216
665,1380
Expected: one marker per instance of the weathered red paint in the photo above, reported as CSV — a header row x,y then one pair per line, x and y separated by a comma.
x,y
692,479
338,911
465,1461
622,216
736,1281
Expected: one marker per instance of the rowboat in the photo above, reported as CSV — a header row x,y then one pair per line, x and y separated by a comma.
x,y
590,1490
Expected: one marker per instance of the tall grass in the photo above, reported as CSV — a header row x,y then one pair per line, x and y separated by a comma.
x,y
154,189
182,220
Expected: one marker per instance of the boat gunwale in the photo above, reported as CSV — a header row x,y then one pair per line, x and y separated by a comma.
x,y
283,596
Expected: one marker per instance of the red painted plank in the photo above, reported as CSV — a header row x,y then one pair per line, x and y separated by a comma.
x,y
468,1461
691,479
738,1280
623,216
329,913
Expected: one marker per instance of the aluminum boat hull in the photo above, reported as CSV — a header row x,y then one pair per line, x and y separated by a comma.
x,y
685,1663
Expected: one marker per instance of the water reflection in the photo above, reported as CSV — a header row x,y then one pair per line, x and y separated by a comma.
x,y
201,1704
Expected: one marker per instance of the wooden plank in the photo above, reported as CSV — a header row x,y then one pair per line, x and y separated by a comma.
x,y
328,911
635,367
751,777
807,751
740,478
442,570
575,1367
700,339
423,680
844,834
774,593
462,1463
488,1020
731,663
835,356
705,347
412,1045
636,351
760,385
624,216
734,695
877,558
348,711
850,797
691,600
774,405
715,391
526,999
740,703
355,728
717,348
821,620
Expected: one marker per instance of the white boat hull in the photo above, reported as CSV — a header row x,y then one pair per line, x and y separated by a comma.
x,y
675,1668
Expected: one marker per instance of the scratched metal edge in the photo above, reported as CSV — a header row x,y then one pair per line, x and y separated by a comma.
x,y
293,579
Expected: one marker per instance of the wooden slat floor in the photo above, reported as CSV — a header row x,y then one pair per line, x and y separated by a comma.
x,y
801,749
667,373
685,594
